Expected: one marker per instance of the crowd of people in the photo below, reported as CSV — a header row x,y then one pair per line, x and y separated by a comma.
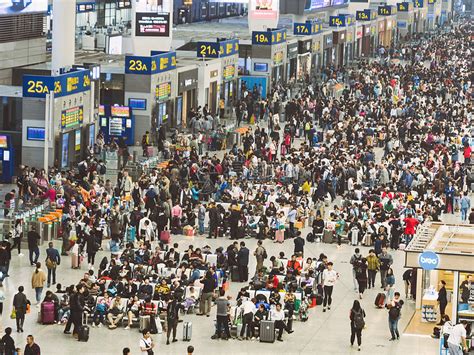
x,y
393,152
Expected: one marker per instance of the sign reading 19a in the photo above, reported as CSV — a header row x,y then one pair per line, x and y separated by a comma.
x,y
138,65
40,87
261,38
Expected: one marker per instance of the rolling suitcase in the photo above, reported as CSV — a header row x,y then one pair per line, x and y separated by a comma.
x,y
187,331
47,313
234,274
380,300
354,236
267,331
83,333
280,235
144,322
75,261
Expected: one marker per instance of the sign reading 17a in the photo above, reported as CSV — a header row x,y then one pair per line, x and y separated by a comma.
x,y
302,29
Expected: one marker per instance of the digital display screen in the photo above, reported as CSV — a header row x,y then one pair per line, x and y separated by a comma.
x,y
260,67
77,145
85,7
72,117
3,142
35,134
137,104
124,4
317,4
20,7
115,126
91,135
65,150
155,6
120,111
152,25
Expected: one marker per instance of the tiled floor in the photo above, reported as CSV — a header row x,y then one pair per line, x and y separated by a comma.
x,y
323,333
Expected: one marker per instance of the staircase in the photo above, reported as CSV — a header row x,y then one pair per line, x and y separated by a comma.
x,y
423,236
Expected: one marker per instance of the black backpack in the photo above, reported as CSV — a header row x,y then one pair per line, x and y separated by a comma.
x,y
310,237
358,317
394,313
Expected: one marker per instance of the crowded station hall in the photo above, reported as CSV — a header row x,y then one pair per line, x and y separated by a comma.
x,y
301,183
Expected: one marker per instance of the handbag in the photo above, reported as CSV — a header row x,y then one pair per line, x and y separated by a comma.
x,y
13,314
28,308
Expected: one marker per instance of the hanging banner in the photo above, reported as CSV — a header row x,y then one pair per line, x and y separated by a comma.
x,y
62,85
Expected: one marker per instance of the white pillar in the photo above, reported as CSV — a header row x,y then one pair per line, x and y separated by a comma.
x,y
455,297
419,288
47,112
64,26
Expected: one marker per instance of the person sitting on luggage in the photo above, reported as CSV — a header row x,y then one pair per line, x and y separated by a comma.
x,y
100,311
115,313
278,315
51,297
133,310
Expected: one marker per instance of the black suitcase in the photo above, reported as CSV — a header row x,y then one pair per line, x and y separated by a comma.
x,y
267,331
83,332
234,274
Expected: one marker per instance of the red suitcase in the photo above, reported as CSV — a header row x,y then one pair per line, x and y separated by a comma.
x,y
47,313
280,235
380,300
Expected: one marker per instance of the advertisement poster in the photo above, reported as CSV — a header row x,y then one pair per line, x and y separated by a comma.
x,y
152,25
3,142
77,140
65,150
20,7
264,9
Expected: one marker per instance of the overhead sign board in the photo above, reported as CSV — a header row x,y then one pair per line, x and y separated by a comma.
x,y
218,49
269,37
62,85
154,64
306,28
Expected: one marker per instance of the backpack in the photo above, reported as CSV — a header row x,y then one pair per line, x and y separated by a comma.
x,y
394,313
310,237
358,318
101,169
265,255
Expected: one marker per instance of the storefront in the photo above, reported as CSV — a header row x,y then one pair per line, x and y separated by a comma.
x,y
317,49
187,94
165,96
229,85
350,44
381,27
292,60
405,17
339,42
366,41
441,252
387,31
359,38
328,51
304,59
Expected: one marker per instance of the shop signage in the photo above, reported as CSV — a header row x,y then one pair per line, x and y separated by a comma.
x,y
403,6
62,85
163,91
365,15
418,3
349,36
278,57
428,260
218,49
359,33
85,7
156,63
269,38
386,10
229,72
306,28
316,46
126,4
120,111
151,24
401,24
72,117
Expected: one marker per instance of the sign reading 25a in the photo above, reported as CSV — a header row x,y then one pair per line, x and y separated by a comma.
x,y
39,86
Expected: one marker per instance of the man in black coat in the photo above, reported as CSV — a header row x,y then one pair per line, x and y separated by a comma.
x,y
299,244
243,262
77,308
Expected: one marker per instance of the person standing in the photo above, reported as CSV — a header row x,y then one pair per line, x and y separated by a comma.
x,y
37,282
223,308
31,347
299,244
8,342
243,262
330,277
357,316
361,276
465,204
373,265
4,261
146,343
52,262
33,239
442,299
172,318
201,217
260,254
207,291
394,314
457,339
17,236
77,308
355,262
20,303
407,281
386,261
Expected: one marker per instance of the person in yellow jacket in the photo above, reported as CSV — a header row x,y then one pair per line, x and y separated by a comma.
x,y
306,187
37,282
